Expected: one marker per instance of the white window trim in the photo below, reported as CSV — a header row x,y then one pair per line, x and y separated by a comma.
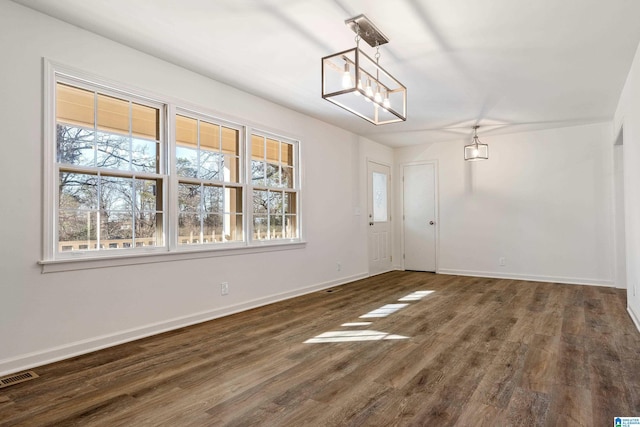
x,y
54,74
144,175
250,187
56,266
175,179
52,261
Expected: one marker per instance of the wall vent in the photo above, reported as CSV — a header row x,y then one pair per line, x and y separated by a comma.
x,y
17,378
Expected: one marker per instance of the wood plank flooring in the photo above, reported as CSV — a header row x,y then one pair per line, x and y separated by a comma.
x,y
474,352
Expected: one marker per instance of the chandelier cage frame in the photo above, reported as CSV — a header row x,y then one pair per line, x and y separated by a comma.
x,y
354,81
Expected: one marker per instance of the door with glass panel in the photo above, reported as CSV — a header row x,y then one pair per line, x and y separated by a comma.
x,y
379,217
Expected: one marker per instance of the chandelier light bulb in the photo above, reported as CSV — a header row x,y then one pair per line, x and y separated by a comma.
x,y
386,102
357,92
346,78
378,97
368,90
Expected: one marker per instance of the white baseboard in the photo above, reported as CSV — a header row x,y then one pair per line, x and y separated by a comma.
x,y
634,317
50,355
529,277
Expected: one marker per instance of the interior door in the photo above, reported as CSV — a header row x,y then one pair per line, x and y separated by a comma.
x,y
419,217
379,219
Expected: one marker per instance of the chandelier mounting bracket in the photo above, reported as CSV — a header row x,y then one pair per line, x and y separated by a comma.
x,y
362,26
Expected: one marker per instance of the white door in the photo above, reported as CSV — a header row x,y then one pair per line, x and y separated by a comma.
x,y
419,217
379,218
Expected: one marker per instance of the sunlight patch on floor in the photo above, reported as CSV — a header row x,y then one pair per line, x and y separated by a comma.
x,y
384,311
369,335
349,336
416,296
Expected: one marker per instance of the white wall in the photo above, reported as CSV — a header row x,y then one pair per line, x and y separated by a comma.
x,y
627,117
44,317
543,201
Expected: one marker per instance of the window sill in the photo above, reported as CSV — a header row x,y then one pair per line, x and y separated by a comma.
x,y
87,263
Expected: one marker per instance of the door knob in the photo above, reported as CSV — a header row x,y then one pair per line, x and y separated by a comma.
x,y
431,222
370,223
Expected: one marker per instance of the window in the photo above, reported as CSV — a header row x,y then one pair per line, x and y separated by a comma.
x,y
209,187
108,166
379,182
118,182
275,194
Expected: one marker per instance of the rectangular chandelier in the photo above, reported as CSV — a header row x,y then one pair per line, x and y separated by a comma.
x,y
357,83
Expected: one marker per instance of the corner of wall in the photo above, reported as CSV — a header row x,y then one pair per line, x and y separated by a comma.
x,y
635,318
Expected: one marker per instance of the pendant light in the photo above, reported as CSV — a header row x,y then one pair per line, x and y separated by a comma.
x,y
476,150
357,83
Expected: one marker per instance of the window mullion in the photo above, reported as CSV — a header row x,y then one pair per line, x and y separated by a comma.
x,y
134,219
130,156
247,197
98,211
171,189
133,178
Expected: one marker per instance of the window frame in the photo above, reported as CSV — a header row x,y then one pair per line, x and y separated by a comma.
x,y
295,188
52,168
175,181
53,260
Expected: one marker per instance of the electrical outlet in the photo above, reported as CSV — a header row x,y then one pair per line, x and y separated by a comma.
x,y
224,288
339,266
502,261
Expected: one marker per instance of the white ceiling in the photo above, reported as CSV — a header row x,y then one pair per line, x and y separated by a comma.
x,y
508,65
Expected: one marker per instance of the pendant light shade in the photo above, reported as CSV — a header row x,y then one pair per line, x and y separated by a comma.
x,y
476,150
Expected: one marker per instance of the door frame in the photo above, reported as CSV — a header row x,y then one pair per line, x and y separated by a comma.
x,y
619,214
436,196
390,210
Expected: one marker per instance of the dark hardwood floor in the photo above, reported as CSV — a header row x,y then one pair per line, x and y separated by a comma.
x,y
473,352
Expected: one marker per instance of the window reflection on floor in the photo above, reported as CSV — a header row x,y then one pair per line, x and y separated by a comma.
x,y
348,336
416,296
369,335
384,311
356,324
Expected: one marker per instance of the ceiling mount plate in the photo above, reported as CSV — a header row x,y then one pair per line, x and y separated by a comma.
x,y
368,32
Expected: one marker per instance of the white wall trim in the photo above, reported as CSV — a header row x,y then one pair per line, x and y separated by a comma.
x,y
530,277
54,354
636,319
56,266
